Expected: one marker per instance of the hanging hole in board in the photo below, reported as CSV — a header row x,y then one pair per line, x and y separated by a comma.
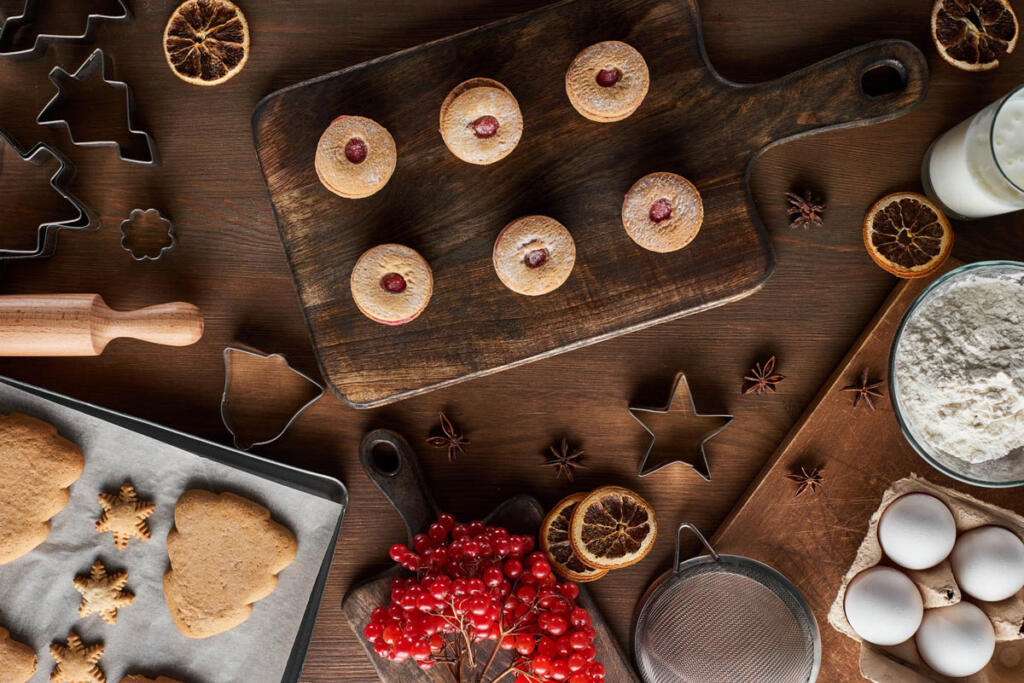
x,y
886,77
384,456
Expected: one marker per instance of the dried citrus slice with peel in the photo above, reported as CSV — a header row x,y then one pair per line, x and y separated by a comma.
x,y
206,42
973,34
612,527
907,235
554,541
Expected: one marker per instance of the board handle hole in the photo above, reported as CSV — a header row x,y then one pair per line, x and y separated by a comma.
x,y
384,458
886,77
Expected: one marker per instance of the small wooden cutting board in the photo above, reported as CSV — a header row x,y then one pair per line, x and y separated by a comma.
x,y
813,539
693,122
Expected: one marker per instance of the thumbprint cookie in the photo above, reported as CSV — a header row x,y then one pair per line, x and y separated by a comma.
x,y
607,82
662,212
480,121
355,157
391,284
534,255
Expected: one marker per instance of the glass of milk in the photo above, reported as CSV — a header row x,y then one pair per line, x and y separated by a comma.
x,y
976,169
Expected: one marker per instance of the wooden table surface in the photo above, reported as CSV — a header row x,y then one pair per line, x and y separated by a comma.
x,y
229,261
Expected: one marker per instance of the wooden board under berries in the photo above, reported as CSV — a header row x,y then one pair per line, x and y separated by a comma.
x,y
692,122
813,538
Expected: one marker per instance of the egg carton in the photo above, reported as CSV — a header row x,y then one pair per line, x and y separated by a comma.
x,y
902,663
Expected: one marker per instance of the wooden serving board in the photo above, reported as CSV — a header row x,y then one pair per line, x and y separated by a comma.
x,y
693,122
391,465
813,539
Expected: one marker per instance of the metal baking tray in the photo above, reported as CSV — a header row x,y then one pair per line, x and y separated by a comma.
x,y
309,482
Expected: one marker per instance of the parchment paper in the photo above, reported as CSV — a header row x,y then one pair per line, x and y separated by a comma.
x,y
40,604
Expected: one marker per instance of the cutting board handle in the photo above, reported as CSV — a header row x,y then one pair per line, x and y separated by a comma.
x,y
391,465
870,83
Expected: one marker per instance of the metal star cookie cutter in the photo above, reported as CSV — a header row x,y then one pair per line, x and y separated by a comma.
x,y
240,442
699,465
28,16
96,63
46,234
150,214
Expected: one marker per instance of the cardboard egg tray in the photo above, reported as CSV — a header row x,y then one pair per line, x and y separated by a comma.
x,y
901,663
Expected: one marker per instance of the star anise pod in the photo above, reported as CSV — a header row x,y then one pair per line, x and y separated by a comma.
x,y
866,389
807,480
450,438
762,378
805,211
565,459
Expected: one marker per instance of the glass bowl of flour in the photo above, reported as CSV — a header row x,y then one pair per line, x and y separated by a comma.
x,y
957,374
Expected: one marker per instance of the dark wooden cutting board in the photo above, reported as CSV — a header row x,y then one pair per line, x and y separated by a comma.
x,y
391,465
693,122
813,539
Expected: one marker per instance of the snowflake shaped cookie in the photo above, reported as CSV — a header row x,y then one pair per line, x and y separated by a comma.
x,y
77,663
124,515
103,593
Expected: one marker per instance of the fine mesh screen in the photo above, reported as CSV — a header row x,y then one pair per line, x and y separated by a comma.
x,y
726,621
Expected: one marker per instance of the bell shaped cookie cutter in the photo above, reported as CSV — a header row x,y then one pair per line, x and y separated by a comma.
x,y
46,235
240,440
28,15
96,63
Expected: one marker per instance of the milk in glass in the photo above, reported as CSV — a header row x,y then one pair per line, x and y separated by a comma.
x,y
976,169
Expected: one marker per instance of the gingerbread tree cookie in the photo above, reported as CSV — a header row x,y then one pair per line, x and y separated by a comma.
x,y
103,593
124,515
77,663
17,660
225,554
36,468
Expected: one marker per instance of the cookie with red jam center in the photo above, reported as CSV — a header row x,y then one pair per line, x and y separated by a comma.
x,y
355,157
391,284
534,255
480,121
662,212
607,82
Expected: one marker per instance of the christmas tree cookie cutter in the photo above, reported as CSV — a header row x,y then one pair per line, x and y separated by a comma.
x,y
678,403
46,233
28,15
96,64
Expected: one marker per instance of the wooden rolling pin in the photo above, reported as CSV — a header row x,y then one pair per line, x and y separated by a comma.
x,y
83,324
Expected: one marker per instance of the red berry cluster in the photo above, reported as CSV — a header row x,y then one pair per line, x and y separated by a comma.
x,y
474,583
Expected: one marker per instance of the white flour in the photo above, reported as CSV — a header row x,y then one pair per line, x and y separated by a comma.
x,y
960,368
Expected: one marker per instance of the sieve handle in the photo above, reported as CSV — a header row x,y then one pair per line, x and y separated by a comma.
x,y
695,530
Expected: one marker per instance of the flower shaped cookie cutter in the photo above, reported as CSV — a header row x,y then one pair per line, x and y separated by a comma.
x,y
140,220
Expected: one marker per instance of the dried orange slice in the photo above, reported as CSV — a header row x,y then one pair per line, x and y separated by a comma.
x,y
612,527
907,235
206,42
554,541
973,34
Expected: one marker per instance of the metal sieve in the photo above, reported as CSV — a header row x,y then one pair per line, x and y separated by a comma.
x,y
725,619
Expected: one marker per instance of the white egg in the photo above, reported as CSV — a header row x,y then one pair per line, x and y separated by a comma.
x,y
988,563
957,640
917,531
883,606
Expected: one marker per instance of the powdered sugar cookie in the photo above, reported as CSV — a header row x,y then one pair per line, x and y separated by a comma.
x,y
391,284
17,661
607,82
480,121
355,157
534,255
225,553
662,212
36,468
